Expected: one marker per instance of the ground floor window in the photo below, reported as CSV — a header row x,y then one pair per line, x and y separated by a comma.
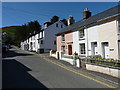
x,y
82,48
63,49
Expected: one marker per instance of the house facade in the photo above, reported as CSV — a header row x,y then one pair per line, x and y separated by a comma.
x,y
48,41
65,40
65,43
95,35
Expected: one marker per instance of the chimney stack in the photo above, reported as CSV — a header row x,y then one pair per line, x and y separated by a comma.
x,y
46,24
70,20
86,13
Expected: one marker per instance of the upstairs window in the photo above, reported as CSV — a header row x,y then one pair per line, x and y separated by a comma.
x,y
41,41
55,42
61,26
56,24
63,37
81,33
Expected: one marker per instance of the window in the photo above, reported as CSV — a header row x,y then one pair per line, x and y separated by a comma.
x,y
34,37
41,41
34,44
55,42
63,49
61,26
81,33
63,37
57,25
82,48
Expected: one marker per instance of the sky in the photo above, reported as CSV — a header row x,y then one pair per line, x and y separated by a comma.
x,y
19,13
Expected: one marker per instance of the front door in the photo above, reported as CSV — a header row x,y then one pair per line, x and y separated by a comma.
x,y
95,48
70,49
106,50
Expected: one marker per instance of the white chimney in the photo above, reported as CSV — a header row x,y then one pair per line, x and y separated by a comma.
x,y
70,20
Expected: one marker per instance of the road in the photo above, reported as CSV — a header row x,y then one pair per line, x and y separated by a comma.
x,y
23,69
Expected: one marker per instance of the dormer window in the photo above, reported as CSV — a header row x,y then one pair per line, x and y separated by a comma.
x,y
81,33
56,24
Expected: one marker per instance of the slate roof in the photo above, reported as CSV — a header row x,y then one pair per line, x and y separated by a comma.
x,y
108,13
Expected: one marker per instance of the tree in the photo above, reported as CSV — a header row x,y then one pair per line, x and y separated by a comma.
x,y
65,22
37,27
54,19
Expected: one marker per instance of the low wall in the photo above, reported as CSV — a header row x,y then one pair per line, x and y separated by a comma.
x,y
53,55
106,70
68,60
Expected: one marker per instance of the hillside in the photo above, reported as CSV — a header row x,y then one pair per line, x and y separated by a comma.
x,y
11,29
11,34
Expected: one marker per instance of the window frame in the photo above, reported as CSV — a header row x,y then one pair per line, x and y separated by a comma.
x,y
63,49
41,42
82,49
81,33
63,37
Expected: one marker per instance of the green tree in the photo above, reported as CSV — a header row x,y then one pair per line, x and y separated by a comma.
x,y
65,22
54,19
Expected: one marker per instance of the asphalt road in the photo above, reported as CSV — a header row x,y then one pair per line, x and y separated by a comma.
x,y
22,69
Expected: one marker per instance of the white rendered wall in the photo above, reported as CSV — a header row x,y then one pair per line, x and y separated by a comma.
x,y
76,42
108,33
92,37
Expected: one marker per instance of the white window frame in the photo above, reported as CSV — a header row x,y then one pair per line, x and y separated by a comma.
x,y
81,34
82,49
63,37
63,49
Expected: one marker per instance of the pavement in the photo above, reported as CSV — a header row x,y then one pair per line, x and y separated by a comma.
x,y
23,69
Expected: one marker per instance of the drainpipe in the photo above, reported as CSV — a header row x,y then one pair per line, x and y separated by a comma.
x,y
86,41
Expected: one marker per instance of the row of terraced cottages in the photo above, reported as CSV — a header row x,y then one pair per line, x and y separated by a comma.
x,y
93,35
45,40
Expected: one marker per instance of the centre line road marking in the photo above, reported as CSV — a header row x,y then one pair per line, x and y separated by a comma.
x,y
69,69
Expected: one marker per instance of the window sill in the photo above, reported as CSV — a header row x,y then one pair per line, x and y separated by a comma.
x,y
63,41
81,38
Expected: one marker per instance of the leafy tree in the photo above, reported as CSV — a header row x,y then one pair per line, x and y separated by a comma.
x,y
65,22
37,27
54,19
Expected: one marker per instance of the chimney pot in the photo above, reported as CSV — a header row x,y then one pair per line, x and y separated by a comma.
x,y
86,13
70,20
